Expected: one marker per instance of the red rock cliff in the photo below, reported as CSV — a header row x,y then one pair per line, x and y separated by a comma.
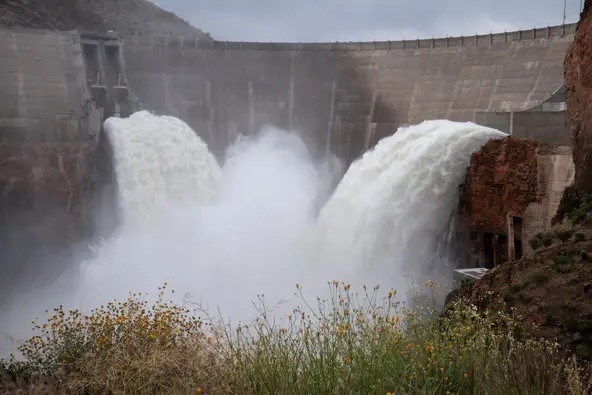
x,y
578,81
502,178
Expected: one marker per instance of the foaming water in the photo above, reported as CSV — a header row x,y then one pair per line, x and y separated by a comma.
x,y
158,160
252,227
393,205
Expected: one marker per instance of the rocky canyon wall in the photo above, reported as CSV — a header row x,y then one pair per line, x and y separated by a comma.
x,y
578,80
513,189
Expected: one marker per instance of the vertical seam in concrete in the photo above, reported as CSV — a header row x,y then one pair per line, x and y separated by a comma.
x,y
370,126
21,89
291,94
331,114
251,109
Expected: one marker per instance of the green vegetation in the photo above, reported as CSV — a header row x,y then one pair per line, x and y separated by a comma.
x,y
540,277
563,262
565,235
578,208
348,343
542,239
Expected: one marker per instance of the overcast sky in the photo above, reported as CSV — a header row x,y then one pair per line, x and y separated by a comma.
x,y
364,20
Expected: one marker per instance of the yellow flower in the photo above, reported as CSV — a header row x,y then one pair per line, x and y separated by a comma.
x,y
199,390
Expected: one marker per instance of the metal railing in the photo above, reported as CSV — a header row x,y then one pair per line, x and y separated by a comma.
x,y
479,40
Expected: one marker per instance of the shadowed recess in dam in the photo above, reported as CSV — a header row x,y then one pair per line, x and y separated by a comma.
x,y
253,226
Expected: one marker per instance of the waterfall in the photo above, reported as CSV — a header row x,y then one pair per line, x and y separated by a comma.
x,y
251,227
394,203
159,159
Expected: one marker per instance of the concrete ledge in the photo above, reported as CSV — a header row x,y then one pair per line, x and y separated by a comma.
x,y
480,40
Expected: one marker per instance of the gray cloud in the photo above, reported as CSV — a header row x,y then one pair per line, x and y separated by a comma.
x,y
364,20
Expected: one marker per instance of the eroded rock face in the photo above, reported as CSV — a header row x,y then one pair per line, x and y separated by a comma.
x,y
578,80
513,189
502,178
45,197
45,173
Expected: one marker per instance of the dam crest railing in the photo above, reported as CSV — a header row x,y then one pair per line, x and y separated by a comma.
x,y
478,40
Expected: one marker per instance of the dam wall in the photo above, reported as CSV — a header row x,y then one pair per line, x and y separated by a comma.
x,y
344,97
58,87
43,88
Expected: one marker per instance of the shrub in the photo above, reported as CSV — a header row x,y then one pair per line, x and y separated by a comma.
x,y
536,242
547,239
562,262
129,346
564,235
347,343
541,239
578,208
540,277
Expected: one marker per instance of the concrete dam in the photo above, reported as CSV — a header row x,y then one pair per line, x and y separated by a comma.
x,y
59,87
343,97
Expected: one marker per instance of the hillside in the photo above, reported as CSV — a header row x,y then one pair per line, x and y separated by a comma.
x,y
122,16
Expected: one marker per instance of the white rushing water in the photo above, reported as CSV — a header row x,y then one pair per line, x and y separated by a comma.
x,y
157,160
392,205
253,227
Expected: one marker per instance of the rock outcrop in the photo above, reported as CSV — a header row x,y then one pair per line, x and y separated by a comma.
x,y
513,189
123,16
502,178
578,80
46,190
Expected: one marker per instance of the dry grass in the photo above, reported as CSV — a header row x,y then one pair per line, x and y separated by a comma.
x,y
347,343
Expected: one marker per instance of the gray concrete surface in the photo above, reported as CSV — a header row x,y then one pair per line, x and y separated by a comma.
x,y
42,86
341,97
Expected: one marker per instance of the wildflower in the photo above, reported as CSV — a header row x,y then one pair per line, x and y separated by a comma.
x,y
199,390
345,360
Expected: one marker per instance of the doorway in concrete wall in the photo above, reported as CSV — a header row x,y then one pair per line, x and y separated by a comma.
x,y
515,246
494,249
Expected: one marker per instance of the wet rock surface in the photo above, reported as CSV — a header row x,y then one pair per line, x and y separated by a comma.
x,y
578,81
46,194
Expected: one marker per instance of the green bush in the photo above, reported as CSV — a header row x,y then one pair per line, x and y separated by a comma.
x,y
578,208
562,263
536,242
565,235
541,239
347,343
540,277
547,239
